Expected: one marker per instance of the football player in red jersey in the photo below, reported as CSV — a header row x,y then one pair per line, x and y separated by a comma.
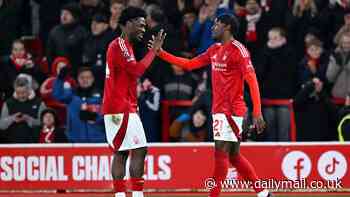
x,y
124,129
230,66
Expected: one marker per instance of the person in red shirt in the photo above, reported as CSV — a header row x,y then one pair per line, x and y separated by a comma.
x,y
124,129
231,66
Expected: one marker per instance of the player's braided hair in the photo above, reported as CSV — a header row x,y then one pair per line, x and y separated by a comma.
x,y
131,13
229,19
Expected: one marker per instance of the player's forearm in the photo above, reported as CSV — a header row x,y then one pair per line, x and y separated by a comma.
x,y
187,64
145,62
250,78
172,59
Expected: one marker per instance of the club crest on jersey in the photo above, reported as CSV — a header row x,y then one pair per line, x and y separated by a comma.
x,y
116,119
136,140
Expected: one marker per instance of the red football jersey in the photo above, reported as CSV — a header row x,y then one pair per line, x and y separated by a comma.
x,y
122,72
231,65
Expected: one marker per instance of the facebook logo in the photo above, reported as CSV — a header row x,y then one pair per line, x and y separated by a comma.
x,y
296,165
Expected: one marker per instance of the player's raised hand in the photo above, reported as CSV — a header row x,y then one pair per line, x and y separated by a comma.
x,y
157,41
259,124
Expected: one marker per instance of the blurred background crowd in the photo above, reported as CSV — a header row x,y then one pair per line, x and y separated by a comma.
x,y
52,67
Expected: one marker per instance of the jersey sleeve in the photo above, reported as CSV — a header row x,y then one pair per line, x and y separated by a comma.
x,y
187,64
245,64
127,60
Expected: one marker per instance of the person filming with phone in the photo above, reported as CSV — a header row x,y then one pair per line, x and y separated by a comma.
x,y
20,113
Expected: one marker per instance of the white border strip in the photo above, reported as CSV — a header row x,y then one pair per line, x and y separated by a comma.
x,y
181,144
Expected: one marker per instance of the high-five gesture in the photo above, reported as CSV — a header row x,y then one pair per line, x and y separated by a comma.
x,y
157,41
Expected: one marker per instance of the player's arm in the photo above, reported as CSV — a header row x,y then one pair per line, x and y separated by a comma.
x,y
128,61
187,64
250,77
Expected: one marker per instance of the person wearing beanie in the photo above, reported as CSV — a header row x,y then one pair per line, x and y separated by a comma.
x,y
95,47
67,38
46,88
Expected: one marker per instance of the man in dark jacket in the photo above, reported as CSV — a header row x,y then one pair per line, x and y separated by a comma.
x,y
314,112
156,20
67,39
277,72
253,28
21,112
94,53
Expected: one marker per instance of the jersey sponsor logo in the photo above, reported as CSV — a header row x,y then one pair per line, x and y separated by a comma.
x,y
219,66
136,140
217,134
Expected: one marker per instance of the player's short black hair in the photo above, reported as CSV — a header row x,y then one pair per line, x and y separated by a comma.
x,y
131,13
229,19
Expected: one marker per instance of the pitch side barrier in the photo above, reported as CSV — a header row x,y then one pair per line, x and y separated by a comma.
x,y
168,104
175,167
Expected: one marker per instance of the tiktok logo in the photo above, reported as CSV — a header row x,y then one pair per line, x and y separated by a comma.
x,y
296,165
332,165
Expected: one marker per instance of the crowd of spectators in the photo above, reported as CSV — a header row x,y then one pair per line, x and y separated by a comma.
x,y
53,60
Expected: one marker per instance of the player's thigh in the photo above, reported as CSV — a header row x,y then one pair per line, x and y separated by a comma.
x,y
231,148
138,153
227,128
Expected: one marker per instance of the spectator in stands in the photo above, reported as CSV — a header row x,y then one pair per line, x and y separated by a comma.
x,y
19,61
314,63
90,8
15,22
67,38
137,3
314,112
200,36
116,8
277,72
49,16
189,17
192,127
303,16
84,119
343,125
46,88
149,105
254,26
49,130
332,19
156,21
344,29
95,47
178,84
21,112
338,71
174,10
